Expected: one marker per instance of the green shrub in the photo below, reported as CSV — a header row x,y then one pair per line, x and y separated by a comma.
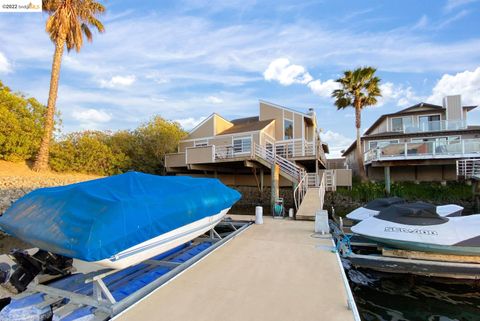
x,y
107,153
21,125
87,152
147,145
427,191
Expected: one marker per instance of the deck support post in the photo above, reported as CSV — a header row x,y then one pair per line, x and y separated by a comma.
x,y
387,179
275,175
261,179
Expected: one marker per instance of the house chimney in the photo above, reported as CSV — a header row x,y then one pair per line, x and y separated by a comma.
x,y
453,106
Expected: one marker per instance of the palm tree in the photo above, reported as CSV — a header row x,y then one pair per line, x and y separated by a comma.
x,y
358,89
68,22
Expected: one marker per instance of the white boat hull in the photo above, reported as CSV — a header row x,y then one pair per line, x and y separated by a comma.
x,y
458,235
162,243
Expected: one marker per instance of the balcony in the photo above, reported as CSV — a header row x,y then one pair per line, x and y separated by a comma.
x,y
242,150
425,150
295,148
433,126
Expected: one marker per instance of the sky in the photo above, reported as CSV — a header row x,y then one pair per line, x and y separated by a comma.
x,y
185,59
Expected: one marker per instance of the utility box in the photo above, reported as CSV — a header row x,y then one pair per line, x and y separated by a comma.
x,y
321,222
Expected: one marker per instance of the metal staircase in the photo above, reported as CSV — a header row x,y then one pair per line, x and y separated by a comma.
x,y
288,169
330,180
468,168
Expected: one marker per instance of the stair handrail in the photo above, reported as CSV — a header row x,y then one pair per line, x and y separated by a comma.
x,y
272,158
301,190
287,166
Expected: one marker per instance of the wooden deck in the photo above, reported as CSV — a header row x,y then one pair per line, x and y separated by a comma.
x,y
275,271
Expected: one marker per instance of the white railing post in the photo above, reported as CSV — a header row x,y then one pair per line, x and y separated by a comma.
x,y
406,150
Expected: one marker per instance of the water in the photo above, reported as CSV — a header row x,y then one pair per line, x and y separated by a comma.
x,y
397,297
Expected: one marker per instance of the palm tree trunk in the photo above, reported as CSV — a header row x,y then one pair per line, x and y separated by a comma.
x,y
359,149
41,162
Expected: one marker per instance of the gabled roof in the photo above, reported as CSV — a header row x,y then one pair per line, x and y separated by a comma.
x,y
205,120
239,121
242,126
349,149
286,108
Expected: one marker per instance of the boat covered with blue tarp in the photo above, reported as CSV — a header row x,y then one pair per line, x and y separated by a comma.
x,y
119,220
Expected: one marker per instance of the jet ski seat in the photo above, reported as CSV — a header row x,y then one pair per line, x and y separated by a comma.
x,y
418,213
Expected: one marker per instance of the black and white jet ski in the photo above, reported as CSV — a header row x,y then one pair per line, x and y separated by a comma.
x,y
374,207
419,227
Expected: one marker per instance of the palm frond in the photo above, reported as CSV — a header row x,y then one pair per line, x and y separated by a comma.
x,y
70,20
359,87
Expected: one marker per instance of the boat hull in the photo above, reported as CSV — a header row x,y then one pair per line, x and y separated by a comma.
x,y
457,235
431,248
162,243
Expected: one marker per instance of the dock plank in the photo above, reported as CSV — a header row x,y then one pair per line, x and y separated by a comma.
x,y
275,271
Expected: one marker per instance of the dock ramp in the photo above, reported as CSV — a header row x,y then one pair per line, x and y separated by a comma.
x,y
312,202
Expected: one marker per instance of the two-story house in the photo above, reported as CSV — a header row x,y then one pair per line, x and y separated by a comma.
x,y
419,143
242,151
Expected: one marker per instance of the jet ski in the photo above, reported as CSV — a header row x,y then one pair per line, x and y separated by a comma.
x,y
419,227
374,207
121,220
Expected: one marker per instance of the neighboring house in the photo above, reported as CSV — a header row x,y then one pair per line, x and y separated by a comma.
x,y
419,143
242,151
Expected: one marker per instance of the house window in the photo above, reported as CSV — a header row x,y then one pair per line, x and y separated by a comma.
x,y
381,143
430,122
399,124
242,145
288,129
201,143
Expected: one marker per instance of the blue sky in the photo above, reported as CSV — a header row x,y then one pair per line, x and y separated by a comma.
x,y
185,59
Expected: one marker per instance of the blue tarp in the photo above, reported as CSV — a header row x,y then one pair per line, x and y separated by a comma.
x,y
96,219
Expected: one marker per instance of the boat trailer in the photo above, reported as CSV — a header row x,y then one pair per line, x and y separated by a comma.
x,y
103,294
364,253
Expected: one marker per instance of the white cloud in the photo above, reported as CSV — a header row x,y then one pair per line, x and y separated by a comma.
x,y
285,73
336,142
452,4
421,23
118,81
89,116
213,100
323,89
451,20
399,94
4,64
466,83
189,123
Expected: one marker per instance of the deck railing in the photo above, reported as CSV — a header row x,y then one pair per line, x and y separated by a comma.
x,y
295,148
436,125
425,150
468,168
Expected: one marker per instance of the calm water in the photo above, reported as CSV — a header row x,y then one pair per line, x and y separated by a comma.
x,y
387,297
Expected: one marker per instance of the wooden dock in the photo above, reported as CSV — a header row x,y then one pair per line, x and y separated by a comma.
x,y
275,271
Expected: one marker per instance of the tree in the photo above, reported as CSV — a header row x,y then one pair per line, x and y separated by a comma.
x,y
68,22
87,152
21,125
358,89
152,141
